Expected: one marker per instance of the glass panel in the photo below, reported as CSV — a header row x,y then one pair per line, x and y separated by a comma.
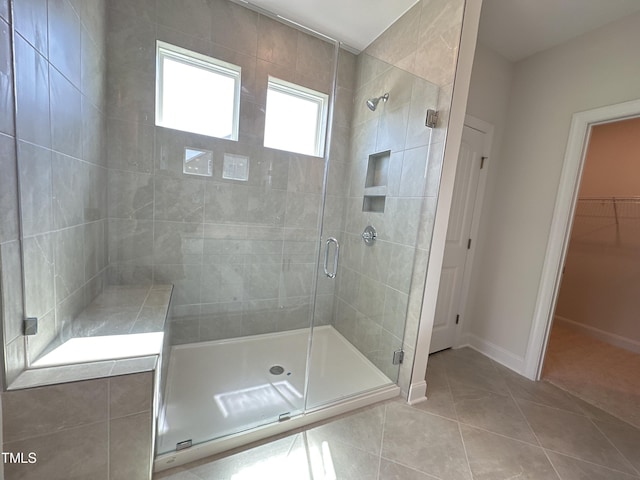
x,y
360,316
114,206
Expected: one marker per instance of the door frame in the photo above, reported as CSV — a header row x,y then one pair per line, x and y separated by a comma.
x,y
488,130
561,223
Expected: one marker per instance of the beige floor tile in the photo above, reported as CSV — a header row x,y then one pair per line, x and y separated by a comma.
x,y
439,399
425,442
467,373
394,441
625,438
599,373
493,412
362,430
573,435
596,413
283,459
395,471
175,474
542,393
574,469
334,459
494,457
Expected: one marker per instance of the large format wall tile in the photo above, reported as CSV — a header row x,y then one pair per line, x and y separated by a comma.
x,y
74,453
45,410
30,17
39,274
35,189
66,115
63,195
130,440
8,190
6,81
98,429
11,291
32,78
64,31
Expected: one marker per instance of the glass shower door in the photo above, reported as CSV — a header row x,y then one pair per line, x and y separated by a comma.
x,y
376,197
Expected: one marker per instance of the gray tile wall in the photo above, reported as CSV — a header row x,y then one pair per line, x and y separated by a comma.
x,y
381,287
240,254
10,268
374,282
98,429
60,75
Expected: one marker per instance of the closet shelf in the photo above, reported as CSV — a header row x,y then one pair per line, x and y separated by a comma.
x,y
616,208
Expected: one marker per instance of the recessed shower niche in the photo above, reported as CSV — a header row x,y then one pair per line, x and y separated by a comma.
x,y
375,184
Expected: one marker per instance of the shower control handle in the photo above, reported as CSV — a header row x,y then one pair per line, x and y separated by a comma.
x,y
369,235
332,274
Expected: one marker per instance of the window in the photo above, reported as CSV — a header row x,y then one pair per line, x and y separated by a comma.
x,y
295,119
196,93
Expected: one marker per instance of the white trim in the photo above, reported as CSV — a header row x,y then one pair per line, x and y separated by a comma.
x,y
561,226
294,90
470,23
174,459
494,352
417,392
607,337
204,62
487,129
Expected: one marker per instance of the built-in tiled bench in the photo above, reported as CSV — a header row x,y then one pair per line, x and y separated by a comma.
x,y
90,412
122,331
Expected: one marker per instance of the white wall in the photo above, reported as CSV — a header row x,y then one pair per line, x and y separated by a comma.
x,y
596,69
491,81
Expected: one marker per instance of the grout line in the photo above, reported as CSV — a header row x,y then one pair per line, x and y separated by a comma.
x,y
535,435
614,446
457,420
414,469
475,427
307,450
384,422
589,462
464,448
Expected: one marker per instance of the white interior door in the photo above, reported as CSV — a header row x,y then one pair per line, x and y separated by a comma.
x,y
448,307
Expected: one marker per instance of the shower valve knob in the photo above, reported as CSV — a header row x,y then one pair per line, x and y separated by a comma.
x,y
369,235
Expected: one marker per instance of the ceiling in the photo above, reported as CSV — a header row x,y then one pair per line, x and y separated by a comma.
x,y
513,28
354,22
519,28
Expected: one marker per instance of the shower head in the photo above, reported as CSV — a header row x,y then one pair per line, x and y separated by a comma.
x,y
372,103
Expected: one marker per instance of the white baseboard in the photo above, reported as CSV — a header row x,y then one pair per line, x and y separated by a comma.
x,y
494,352
610,338
417,392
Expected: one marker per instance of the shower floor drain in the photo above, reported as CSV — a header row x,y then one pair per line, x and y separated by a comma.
x,y
276,370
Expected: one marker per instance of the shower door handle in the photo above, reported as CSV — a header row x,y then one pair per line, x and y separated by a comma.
x,y
333,274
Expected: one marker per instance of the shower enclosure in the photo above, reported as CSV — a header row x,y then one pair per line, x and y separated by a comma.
x,y
282,183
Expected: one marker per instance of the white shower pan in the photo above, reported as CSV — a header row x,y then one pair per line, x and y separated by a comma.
x,y
226,390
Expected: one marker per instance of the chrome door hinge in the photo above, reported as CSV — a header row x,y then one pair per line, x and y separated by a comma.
x,y
432,118
184,444
398,357
30,326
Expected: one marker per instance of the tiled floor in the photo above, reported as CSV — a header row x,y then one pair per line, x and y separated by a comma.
x,y
481,422
602,374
